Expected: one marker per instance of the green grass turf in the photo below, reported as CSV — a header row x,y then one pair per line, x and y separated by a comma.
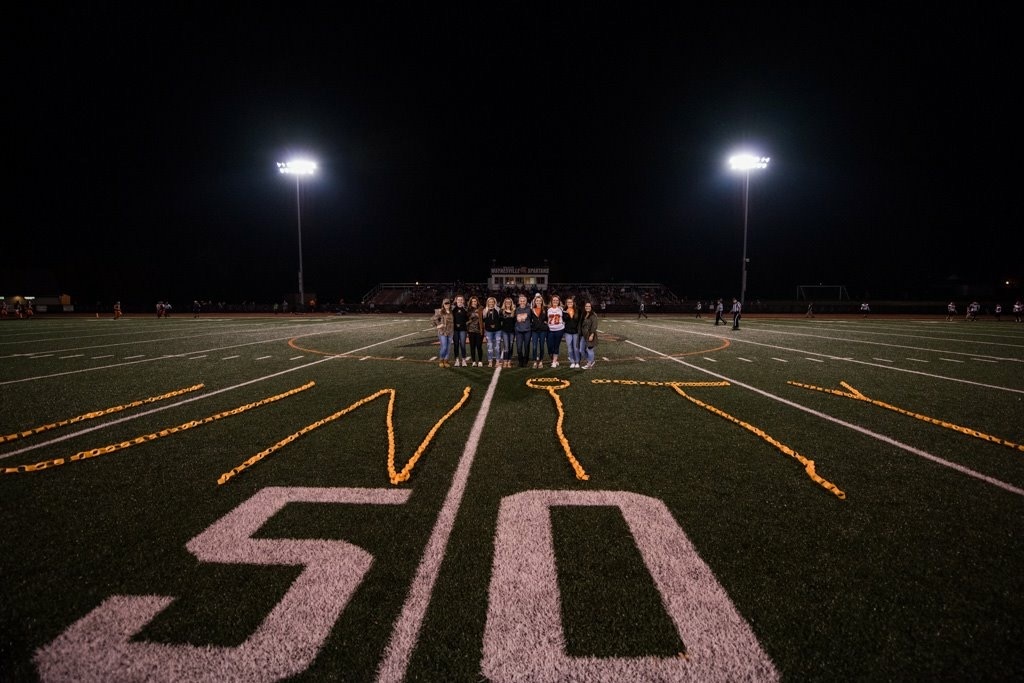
x,y
915,575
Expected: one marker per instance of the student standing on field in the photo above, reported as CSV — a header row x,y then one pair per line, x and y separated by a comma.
x,y
572,332
524,330
492,330
539,329
588,332
556,328
475,329
508,331
460,318
444,323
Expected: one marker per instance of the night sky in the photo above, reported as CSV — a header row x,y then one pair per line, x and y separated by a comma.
x,y
592,136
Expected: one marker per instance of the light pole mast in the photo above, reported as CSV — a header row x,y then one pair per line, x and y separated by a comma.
x,y
298,168
746,163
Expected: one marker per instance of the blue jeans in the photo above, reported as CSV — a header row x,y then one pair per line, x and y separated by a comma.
x,y
446,342
493,345
589,353
506,345
460,344
538,345
554,342
572,346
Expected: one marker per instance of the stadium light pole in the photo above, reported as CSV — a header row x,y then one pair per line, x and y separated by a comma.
x,y
745,163
298,168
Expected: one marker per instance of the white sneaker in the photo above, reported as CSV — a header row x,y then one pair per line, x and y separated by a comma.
x,y
554,363
574,365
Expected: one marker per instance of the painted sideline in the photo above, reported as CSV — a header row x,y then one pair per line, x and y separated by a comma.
x,y
867,432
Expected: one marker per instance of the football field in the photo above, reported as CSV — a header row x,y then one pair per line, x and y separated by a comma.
x,y
257,498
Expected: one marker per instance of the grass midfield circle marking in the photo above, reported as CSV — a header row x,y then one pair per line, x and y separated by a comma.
x,y
548,384
858,396
98,413
103,450
395,477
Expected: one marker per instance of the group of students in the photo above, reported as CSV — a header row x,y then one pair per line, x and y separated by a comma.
x,y
20,310
526,328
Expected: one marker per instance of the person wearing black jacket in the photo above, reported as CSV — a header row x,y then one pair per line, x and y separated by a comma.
x,y
508,331
475,328
460,318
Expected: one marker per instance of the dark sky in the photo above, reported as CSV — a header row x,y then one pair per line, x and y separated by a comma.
x,y
590,135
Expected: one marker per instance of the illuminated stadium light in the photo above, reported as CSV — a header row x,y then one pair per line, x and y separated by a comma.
x,y
745,163
298,168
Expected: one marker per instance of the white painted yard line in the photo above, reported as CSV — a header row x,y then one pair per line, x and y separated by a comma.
x,y
196,357
400,358
867,432
219,348
950,360
984,360
433,358
918,360
712,360
781,360
45,355
366,357
141,355
814,360
296,357
737,340
219,332
407,627
263,357
190,399
230,357
884,360
98,357
745,360
641,359
789,332
77,355
604,358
